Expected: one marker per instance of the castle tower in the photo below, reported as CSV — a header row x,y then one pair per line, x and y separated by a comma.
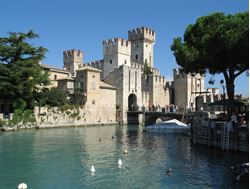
x,y
116,52
142,45
72,60
187,87
127,81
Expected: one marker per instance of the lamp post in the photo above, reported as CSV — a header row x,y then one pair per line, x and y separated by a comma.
x,y
223,87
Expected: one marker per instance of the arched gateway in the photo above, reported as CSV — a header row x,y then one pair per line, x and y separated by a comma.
x,y
132,102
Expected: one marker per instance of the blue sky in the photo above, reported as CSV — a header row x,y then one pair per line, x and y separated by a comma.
x,y
80,24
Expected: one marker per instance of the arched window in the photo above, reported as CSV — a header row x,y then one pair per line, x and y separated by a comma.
x,y
136,57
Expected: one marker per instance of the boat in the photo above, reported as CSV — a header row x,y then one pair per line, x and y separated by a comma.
x,y
170,126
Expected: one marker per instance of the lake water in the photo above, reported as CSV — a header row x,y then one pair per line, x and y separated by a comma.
x,y
61,159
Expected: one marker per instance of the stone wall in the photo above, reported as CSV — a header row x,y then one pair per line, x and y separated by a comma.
x,y
96,99
85,115
186,88
145,99
127,81
98,64
157,92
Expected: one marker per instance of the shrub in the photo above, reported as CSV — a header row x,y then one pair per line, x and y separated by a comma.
x,y
17,117
68,112
75,113
28,116
2,123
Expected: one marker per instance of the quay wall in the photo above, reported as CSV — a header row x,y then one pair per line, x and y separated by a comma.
x,y
206,130
86,115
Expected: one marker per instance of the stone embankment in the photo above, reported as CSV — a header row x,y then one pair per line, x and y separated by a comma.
x,y
70,116
43,126
47,117
16,127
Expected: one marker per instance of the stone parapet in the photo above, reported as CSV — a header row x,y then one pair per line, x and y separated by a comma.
x,y
141,33
116,45
96,64
72,53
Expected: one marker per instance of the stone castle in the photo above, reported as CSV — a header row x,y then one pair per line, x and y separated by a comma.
x,y
119,82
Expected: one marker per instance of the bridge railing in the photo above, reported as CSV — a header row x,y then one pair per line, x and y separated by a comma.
x,y
167,109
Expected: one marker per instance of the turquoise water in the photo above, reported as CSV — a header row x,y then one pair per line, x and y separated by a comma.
x,y
62,158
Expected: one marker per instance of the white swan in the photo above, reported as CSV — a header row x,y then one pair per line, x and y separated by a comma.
x,y
92,170
22,186
119,163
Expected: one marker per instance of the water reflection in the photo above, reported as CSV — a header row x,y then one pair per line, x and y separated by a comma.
x,y
62,158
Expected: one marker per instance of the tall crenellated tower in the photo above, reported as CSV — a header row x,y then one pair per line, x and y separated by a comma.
x,y
142,45
187,87
116,52
72,60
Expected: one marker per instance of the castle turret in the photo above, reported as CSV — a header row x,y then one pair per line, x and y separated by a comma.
x,y
116,52
72,60
187,87
142,45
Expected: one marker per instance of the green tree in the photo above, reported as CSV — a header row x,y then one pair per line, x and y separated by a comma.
x,y
216,44
53,97
20,73
147,69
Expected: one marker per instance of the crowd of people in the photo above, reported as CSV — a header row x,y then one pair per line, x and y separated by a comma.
x,y
158,108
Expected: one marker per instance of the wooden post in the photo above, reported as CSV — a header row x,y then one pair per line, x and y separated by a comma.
x,y
194,130
209,130
184,111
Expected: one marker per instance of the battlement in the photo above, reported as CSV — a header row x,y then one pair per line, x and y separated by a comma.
x,y
137,65
116,45
213,91
154,71
72,60
159,80
96,64
72,53
155,79
178,73
141,33
169,84
116,42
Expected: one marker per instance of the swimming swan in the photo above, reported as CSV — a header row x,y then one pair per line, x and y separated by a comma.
x,y
120,163
22,186
92,170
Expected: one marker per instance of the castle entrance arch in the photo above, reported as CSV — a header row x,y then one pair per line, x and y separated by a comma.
x,y
132,102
